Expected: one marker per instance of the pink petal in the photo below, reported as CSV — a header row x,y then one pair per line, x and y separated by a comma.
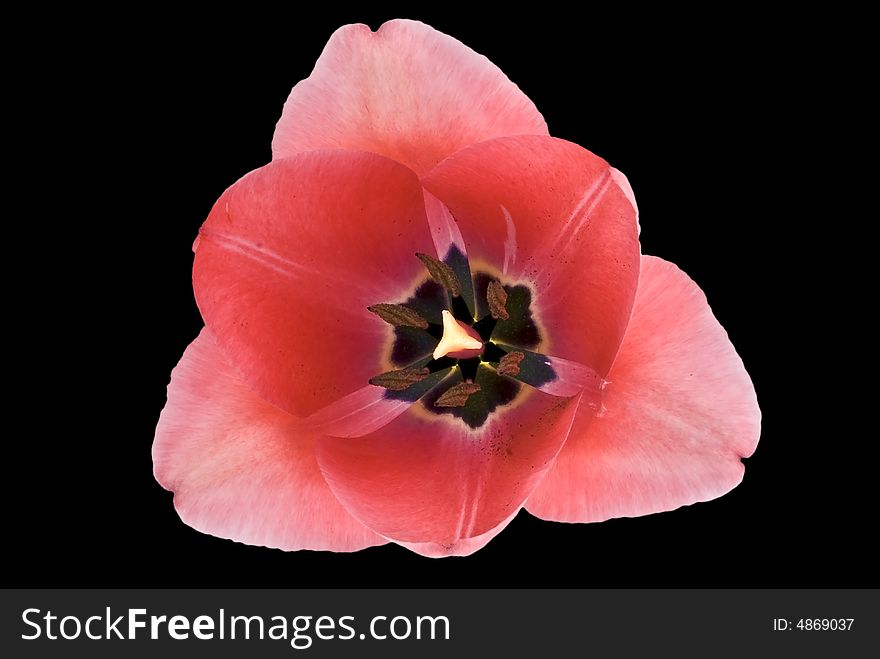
x,y
572,378
680,411
289,260
430,479
549,213
359,413
242,469
444,229
464,547
407,92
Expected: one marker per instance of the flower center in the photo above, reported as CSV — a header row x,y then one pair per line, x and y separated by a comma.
x,y
463,344
458,340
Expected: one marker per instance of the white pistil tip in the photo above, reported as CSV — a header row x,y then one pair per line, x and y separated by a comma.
x,y
454,338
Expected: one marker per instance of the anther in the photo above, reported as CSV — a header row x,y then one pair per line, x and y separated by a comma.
x,y
441,273
458,395
399,315
509,364
496,296
400,380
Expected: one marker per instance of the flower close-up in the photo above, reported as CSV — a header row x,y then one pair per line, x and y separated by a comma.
x,y
426,314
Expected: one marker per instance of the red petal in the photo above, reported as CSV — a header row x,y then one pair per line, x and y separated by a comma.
x,y
680,412
290,258
550,213
407,92
242,469
424,478
623,183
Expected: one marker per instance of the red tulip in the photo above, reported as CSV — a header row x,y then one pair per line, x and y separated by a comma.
x,y
346,392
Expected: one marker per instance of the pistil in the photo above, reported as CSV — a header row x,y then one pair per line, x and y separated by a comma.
x,y
456,340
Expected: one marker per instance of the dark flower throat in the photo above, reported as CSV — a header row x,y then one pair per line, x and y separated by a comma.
x,y
472,388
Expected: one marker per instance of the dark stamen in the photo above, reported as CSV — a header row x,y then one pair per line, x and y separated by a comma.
x,y
468,368
435,331
399,315
439,364
492,353
460,310
441,273
458,395
400,380
496,297
485,327
509,364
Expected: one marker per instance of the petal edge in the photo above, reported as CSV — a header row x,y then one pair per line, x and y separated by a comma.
x,y
680,412
242,469
406,91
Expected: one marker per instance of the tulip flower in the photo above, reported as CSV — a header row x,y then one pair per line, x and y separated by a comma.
x,y
426,314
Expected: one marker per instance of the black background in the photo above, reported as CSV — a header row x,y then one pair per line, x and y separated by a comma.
x,y
147,121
